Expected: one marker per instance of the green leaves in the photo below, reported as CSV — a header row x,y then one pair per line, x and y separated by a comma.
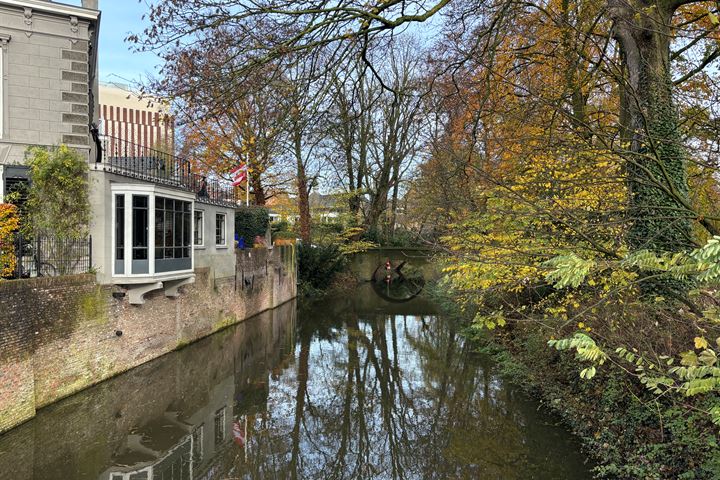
x,y
495,319
568,270
586,350
702,264
58,201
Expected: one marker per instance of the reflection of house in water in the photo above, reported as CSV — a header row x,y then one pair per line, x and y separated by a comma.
x,y
198,442
176,447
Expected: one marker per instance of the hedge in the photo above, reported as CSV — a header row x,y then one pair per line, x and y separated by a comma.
x,y
251,222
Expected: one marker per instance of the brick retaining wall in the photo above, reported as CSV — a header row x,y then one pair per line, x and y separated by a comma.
x,y
61,335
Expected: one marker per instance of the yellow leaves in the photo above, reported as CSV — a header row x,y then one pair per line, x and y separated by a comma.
x,y
713,18
9,223
582,326
701,343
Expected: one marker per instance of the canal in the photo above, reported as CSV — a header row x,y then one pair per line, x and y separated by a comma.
x,y
351,388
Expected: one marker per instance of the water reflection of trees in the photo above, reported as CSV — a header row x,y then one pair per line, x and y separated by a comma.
x,y
380,396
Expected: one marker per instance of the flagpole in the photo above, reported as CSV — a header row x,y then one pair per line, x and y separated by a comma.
x,y
247,189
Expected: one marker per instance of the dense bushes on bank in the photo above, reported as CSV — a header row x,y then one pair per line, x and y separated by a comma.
x,y
251,222
628,432
318,265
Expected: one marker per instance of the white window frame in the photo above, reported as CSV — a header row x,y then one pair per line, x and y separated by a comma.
x,y
224,230
4,40
202,228
151,191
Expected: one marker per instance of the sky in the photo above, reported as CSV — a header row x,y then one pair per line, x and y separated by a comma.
x,y
117,62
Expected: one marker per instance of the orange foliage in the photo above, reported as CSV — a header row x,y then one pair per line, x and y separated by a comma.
x,y
9,223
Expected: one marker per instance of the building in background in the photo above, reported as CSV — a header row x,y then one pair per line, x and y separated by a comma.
x,y
127,118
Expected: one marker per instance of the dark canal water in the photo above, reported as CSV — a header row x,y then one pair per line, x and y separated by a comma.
x,y
354,388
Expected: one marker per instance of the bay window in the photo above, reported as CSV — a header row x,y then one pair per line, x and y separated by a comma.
x,y
153,231
173,231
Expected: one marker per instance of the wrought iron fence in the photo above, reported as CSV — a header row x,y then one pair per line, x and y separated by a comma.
x,y
138,161
43,256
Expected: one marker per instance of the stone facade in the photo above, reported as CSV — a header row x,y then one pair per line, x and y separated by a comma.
x,y
48,77
62,335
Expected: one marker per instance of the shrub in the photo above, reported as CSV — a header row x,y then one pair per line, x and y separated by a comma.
x,y
318,266
403,238
280,226
9,223
58,202
284,235
251,222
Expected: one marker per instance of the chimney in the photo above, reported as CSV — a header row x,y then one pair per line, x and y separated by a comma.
x,y
91,4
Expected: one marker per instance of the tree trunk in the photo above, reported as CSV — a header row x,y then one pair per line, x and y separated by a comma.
x,y
379,200
656,157
303,190
390,233
258,191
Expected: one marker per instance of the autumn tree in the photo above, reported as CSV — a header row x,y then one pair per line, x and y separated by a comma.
x,y
303,138
225,119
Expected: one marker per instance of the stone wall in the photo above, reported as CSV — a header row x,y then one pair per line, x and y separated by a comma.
x,y
47,82
61,335
80,436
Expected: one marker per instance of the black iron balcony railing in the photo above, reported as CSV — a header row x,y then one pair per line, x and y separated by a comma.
x,y
157,166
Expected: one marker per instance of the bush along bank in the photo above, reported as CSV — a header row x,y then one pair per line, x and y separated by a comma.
x,y
628,431
319,266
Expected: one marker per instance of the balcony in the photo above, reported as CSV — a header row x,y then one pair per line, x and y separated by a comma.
x,y
129,159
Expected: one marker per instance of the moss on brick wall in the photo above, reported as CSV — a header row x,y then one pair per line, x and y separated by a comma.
x,y
61,335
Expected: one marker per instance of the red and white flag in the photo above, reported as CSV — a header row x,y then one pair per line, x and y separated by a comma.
x,y
239,174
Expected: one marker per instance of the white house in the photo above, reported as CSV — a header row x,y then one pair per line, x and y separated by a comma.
x,y
154,221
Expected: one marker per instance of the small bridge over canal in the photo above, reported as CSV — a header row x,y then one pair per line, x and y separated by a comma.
x,y
397,274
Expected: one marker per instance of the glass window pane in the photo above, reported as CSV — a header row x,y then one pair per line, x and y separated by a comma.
x,y
159,228
140,201
199,227
168,229
187,229
220,229
140,221
119,227
178,229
